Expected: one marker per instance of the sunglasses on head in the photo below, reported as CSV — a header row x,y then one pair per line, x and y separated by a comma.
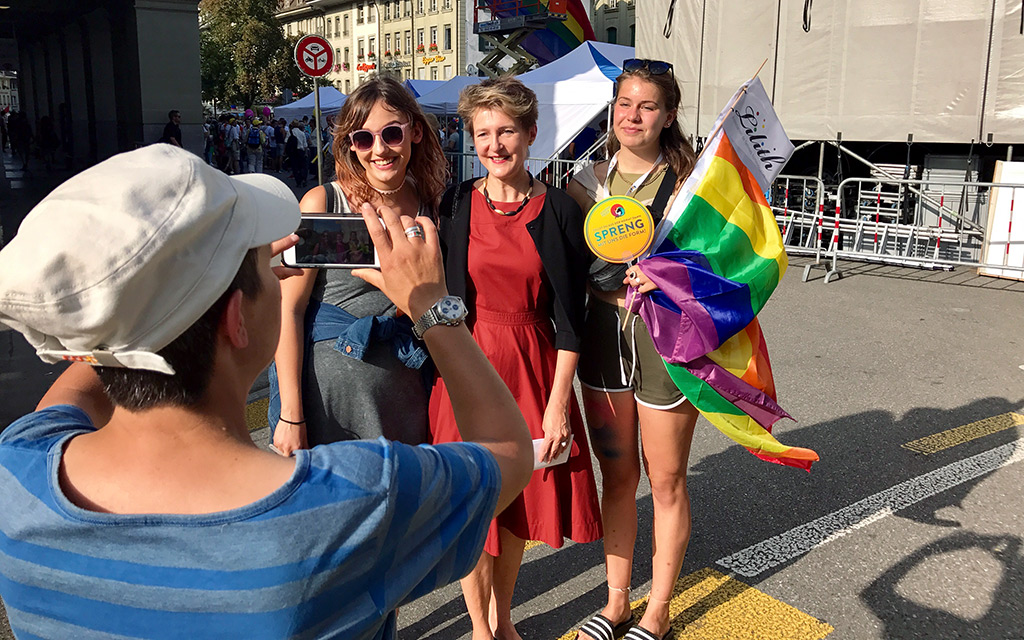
x,y
653,67
392,135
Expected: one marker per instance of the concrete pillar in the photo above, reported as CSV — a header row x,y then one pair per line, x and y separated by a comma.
x,y
101,63
168,56
77,62
55,75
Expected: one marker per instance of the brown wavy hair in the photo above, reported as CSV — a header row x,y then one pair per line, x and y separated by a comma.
x,y
675,146
427,164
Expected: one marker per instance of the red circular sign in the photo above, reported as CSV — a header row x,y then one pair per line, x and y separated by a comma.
x,y
314,56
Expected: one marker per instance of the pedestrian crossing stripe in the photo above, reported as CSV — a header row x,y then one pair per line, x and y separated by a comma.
x,y
710,605
965,433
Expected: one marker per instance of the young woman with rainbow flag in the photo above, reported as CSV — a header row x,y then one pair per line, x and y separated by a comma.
x,y
625,383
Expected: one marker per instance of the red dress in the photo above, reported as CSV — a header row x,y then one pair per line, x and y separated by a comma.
x,y
509,301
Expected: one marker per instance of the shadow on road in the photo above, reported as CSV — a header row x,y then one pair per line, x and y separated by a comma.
x,y
905,618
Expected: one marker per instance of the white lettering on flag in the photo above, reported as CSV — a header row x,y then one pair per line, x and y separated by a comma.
x,y
757,135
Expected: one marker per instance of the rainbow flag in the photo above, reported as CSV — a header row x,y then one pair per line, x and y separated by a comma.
x,y
718,257
560,37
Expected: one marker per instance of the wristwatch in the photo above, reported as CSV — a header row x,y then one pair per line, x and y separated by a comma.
x,y
449,310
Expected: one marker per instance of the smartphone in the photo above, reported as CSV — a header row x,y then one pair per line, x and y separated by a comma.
x,y
332,241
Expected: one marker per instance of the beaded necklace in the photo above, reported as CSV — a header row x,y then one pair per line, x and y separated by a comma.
x,y
487,198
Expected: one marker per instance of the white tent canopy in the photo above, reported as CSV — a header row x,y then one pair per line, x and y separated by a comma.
x,y
572,91
330,103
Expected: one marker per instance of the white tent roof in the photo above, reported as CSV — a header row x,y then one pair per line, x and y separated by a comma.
x,y
330,103
596,61
572,91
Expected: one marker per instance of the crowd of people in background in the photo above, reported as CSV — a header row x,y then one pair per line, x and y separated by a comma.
x,y
50,137
249,144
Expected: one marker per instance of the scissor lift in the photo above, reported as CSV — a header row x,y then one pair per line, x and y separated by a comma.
x,y
506,24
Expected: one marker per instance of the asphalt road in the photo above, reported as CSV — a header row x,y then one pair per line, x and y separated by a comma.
x,y
878,540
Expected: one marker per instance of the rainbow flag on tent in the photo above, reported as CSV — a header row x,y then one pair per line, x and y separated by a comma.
x,y
718,257
560,37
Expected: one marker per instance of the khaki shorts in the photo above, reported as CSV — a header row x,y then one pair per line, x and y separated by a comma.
x,y
607,357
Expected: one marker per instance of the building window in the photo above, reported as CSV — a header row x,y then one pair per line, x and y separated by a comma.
x,y
419,39
447,72
348,86
433,73
398,10
446,5
387,43
344,24
613,35
359,14
433,36
613,5
337,56
387,11
447,37
419,6
361,49
408,7
346,58
371,16
433,5
408,42
372,48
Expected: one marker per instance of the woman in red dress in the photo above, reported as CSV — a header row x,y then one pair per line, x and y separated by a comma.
x,y
514,251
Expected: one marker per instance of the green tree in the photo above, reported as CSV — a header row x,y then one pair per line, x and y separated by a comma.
x,y
245,57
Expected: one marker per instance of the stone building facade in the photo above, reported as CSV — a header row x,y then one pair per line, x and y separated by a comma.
x,y
614,21
421,39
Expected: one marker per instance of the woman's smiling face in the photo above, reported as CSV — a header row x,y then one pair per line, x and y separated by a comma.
x,y
501,142
640,114
385,165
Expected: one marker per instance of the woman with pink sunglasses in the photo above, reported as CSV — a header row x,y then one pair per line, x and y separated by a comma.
x,y
346,367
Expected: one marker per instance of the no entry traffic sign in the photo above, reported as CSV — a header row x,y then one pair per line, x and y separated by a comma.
x,y
314,56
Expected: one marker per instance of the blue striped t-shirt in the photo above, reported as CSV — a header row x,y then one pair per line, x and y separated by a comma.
x,y
358,529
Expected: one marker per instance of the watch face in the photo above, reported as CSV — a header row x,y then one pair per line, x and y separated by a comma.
x,y
451,308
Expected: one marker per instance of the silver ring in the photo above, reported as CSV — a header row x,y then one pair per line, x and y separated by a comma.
x,y
415,231
633,276
563,443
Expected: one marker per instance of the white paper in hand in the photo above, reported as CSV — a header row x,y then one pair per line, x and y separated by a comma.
x,y
559,459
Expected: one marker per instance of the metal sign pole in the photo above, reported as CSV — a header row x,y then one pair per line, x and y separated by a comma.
x,y
316,114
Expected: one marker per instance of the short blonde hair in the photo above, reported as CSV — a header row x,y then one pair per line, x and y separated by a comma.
x,y
506,94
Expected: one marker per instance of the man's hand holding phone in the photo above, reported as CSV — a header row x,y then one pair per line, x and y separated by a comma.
x,y
411,272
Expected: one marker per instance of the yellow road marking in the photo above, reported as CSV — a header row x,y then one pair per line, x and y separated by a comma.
x,y
965,433
709,605
531,544
256,414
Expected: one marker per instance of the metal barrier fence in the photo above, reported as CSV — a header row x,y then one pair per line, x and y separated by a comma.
x,y
797,202
555,172
915,223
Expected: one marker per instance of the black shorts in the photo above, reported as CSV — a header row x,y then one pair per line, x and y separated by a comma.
x,y
607,357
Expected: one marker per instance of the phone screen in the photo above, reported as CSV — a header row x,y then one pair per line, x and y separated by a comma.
x,y
332,241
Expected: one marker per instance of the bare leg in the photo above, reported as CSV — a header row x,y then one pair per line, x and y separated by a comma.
x,y
612,420
667,435
476,589
506,570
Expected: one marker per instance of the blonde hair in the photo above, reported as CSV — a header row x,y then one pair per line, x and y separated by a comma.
x,y
506,94
427,164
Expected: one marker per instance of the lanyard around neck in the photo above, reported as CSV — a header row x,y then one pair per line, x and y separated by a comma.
x,y
639,182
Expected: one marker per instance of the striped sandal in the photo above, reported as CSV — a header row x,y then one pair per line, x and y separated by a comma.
x,y
639,633
601,628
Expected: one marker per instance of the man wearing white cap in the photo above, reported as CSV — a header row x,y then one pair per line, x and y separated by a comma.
x,y
154,268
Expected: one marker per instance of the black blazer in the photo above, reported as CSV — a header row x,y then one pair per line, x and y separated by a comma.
x,y
557,233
